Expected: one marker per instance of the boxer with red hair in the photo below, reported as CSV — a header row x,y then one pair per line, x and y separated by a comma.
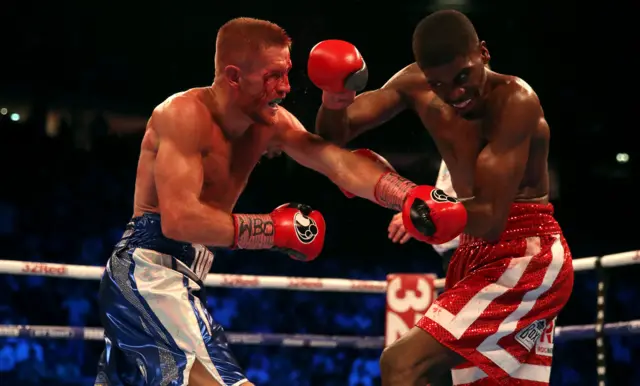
x,y
197,153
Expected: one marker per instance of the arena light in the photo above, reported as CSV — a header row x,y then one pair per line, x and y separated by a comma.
x,y
622,158
15,117
4,111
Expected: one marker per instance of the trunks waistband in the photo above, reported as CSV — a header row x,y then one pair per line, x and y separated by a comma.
x,y
525,220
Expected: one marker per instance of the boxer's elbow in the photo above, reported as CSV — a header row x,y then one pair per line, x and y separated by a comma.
x,y
333,126
324,130
492,234
176,218
171,221
333,135
480,219
487,224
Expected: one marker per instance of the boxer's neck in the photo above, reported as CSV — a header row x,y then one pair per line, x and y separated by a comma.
x,y
229,117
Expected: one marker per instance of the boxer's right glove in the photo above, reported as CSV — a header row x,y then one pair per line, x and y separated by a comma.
x,y
337,68
295,229
428,214
372,155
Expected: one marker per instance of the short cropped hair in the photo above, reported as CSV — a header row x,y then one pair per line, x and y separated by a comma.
x,y
244,35
441,37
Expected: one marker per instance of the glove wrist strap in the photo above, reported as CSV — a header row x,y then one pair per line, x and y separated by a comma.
x,y
253,231
391,190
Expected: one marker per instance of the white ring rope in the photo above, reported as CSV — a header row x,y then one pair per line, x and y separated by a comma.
x,y
86,272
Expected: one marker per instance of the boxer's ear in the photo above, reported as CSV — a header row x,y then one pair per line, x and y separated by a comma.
x,y
484,52
232,73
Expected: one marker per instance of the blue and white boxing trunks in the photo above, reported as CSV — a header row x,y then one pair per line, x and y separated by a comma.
x,y
153,311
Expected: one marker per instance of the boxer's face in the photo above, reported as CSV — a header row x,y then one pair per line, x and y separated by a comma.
x,y
460,82
265,84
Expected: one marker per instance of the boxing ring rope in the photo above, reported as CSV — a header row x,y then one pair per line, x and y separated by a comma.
x,y
562,333
87,272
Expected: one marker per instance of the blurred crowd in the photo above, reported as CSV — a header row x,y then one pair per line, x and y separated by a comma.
x,y
68,205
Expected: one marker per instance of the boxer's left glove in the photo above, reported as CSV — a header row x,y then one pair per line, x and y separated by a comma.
x,y
430,215
372,155
295,229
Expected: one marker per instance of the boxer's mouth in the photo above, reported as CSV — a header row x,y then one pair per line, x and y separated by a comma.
x,y
462,104
275,102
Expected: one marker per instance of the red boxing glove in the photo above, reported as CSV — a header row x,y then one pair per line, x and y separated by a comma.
x,y
337,66
295,229
372,155
299,231
429,215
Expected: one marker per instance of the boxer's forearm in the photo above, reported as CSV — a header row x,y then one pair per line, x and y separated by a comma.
x,y
371,180
352,172
333,125
199,224
357,175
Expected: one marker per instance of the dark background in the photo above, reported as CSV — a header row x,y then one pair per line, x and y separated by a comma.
x,y
84,77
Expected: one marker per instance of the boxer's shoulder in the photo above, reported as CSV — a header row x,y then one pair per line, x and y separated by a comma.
x,y
182,107
183,116
412,86
513,103
286,122
270,138
511,91
409,82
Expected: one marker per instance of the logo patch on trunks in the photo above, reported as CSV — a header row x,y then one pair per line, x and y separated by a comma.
x,y
529,336
545,344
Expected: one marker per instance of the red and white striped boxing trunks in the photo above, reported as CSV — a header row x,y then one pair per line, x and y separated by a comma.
x,y
501,299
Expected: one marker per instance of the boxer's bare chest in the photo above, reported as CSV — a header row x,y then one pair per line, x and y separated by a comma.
x,y
227,165
459,141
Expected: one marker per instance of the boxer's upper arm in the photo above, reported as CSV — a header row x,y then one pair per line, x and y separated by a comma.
x,y
352,172
178,169
370,109
501,164
373,108
308,149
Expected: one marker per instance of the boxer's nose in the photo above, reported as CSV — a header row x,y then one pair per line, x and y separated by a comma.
x,y
284,86
456,94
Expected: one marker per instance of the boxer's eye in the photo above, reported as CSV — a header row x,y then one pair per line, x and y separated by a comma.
x,y
462,76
